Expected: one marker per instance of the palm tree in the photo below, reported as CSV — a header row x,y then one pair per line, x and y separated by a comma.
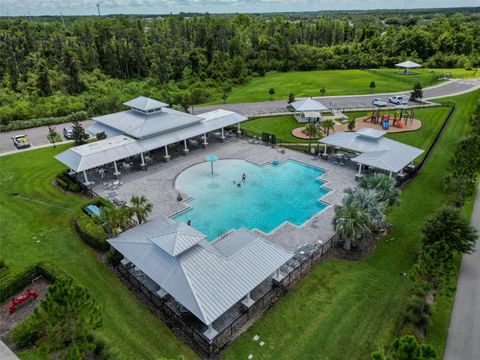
x,y
351,223
351,124
328,125
368,201
312,130
141,207
386,188
109,217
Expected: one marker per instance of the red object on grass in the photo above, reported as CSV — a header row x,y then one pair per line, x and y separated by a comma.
x,y
21,299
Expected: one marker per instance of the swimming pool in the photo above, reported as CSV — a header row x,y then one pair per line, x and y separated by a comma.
x,y
271,195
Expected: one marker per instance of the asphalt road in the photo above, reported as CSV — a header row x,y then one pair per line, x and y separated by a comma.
x,y
38,135
448,88
463,342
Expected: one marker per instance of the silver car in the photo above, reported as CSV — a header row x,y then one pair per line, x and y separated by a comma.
x,y
398,100
379,102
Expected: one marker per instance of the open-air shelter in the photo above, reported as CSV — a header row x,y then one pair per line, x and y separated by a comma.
x,y
207,278
407,65
308,110
374,150
148,125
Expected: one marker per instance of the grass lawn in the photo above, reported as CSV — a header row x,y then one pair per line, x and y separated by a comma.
x,y
283,125
345,310
42,230
308,83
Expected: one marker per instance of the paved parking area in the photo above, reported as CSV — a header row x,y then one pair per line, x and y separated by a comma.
x,y
158,185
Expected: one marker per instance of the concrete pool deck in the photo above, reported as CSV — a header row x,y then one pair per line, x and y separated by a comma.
x,y
158,185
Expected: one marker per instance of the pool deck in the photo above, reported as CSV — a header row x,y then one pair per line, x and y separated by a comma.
x,y
158,185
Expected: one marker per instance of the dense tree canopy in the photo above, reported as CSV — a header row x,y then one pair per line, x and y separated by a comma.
x,y
42,58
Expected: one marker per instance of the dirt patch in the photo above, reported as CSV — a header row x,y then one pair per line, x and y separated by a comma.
x,y
22,311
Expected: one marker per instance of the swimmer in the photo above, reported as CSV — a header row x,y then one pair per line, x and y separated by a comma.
x,y
239,185
189,222
244,177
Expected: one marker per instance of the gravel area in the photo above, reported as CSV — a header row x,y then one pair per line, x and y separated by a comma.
x,y
7,321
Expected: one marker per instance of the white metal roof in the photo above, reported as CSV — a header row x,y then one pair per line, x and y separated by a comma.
x,y
308,105
140,125
145,104
97,127
175,238
202,279
408,65
377,150
115,148
99,153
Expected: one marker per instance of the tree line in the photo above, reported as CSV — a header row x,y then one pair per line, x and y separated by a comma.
x,y
45,65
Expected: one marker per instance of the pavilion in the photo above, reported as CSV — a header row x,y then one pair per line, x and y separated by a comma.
x,y
407,65
374,150
148,125
308,110
207,278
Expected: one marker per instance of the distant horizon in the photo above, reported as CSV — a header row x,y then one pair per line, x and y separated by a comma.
x,y
32,8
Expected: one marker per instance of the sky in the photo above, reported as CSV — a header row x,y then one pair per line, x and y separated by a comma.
x,y
88,7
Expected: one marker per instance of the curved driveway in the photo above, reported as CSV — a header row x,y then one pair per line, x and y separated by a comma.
x,y
448,88
453,87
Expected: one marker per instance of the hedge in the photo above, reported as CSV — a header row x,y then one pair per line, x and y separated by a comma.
x,y
66,183
26,124
89,231
15,281
26,332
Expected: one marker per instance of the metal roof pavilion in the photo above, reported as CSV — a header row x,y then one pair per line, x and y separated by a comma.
x,y
145,104
408,65
308,105
377,151
207,278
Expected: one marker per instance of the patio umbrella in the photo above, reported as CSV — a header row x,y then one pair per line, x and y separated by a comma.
x,y
211,159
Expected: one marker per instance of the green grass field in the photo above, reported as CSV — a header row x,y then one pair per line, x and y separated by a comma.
x,y
42,230
345,310
336,82
283,125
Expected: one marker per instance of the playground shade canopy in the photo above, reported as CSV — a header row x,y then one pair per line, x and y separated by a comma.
x,y
408,65
376,150
207,278
308,105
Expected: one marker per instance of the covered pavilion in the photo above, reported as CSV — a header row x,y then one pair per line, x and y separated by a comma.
x,y
408,65
308,110
147,126
207,278
374,150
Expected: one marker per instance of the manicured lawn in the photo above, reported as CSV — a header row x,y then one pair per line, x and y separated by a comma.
x,y
42,230
283,125
308,83
345,310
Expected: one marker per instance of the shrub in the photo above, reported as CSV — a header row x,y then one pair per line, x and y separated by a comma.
x,y
52,271
77,116
14,282
66,183
26,333
26,124
92,233
114,257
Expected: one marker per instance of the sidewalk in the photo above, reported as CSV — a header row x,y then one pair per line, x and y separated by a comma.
x,y
463,341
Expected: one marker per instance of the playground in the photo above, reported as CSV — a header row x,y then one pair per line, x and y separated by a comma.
x,y
396,121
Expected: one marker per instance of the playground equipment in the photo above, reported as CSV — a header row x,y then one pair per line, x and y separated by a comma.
x,y
400,118
21,299
385,121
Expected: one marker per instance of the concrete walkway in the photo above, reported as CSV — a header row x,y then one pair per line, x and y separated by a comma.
x,y
6,353
463,341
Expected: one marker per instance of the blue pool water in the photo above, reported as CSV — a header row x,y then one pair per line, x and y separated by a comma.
x,y
271,195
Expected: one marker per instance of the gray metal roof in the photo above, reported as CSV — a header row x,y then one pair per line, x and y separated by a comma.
x,y
115,148
99,153
308,105
408,65
140,125
377,150
145,104
175,238
97,127
202,278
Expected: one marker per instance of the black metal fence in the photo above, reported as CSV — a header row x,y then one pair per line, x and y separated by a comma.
x,y
187,328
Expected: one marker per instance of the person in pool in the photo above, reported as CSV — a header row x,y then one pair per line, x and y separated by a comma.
x,y
189,222
244,177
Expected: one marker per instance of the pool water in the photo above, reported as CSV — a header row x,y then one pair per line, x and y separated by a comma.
x,y
271,195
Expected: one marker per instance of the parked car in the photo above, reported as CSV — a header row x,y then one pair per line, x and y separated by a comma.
x,y
68,132
21,141
379,102
398,100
